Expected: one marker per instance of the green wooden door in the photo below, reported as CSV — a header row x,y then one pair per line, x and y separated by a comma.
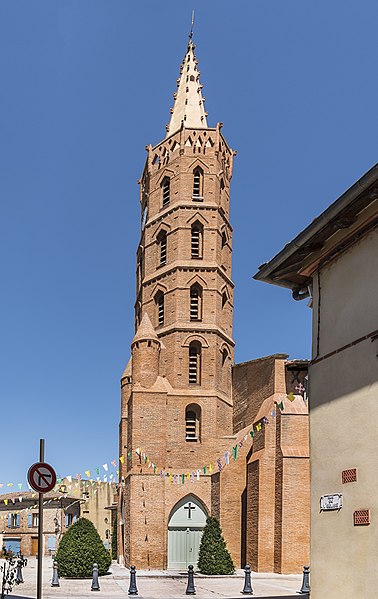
x,y
185,529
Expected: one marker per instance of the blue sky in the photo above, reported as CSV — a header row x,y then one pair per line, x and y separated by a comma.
x,y
85,87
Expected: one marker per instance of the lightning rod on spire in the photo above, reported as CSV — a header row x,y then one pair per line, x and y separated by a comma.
x,y
192,27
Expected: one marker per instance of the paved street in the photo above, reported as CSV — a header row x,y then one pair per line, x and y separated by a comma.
x,y
156,585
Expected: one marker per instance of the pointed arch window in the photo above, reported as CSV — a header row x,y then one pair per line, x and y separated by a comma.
x,y
224,299
166,191
198,183
138,315
197,240
225,356
159,301
192,423
162,241
224,238
195,363
196,302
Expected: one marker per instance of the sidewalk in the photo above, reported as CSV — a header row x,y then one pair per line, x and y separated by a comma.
x,y
157,585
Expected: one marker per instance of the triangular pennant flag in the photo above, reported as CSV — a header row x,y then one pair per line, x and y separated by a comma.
x,y
88,473
291,396
105,467
122,459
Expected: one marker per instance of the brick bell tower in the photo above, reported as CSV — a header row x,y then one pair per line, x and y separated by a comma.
x,y
176,388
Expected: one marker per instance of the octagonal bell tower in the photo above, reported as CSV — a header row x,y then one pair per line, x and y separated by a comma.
x,y
177,403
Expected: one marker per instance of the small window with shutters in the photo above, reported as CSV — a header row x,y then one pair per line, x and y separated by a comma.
x,y
70,519
13,520
166,191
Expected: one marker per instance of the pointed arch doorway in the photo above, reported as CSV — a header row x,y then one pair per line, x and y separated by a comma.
x,y
185,527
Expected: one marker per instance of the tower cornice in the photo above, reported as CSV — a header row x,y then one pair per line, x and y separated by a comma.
x,y
187,267
194,328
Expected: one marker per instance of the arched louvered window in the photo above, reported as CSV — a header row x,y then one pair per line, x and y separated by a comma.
x,y
162,241
197,240
198,183
159,301
166,191
224,238
195,363
196,302
192,423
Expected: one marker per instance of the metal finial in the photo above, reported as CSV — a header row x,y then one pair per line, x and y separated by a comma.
x,y
192,27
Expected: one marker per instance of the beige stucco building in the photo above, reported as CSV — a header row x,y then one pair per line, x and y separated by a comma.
x,y
70,500
334,262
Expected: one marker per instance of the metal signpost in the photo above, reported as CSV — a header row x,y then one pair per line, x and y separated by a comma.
x,y
41,478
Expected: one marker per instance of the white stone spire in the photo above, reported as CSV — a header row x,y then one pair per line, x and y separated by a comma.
x,y
189,107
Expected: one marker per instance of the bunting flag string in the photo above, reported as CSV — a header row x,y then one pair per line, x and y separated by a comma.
x,y
103,474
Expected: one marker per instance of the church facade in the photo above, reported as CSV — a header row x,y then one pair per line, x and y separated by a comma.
x,y
190,420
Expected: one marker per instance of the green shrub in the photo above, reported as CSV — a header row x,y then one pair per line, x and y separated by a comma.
x,y
214,557
114,540
79,549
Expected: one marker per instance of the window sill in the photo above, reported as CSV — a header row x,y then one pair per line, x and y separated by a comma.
x,y
191,439
197,258
197,198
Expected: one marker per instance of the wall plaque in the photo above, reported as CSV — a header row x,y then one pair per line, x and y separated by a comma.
x,y
331,502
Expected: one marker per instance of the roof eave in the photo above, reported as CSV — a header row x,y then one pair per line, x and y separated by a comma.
x,y
269,272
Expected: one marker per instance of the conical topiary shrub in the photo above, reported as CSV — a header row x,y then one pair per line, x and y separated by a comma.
x,y
214,557
79,549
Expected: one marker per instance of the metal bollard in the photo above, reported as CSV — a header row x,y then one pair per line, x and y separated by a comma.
x,y
55,579
305,588
95,586
19,577
190,589
247,590
132,587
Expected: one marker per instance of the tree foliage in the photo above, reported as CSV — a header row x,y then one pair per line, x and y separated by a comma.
x,y
79,549
114,540
214,557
